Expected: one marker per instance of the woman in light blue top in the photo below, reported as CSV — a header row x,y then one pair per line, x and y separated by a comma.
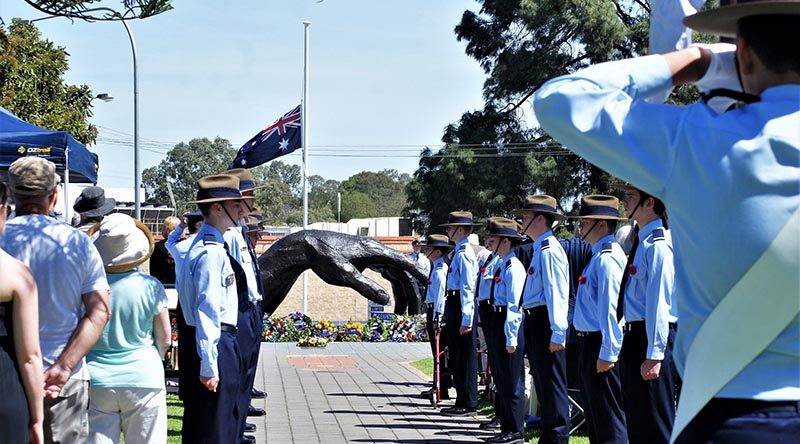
x,y
127,394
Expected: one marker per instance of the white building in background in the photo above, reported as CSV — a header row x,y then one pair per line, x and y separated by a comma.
x,y
374,227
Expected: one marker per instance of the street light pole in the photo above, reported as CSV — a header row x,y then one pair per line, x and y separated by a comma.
x,y
137,176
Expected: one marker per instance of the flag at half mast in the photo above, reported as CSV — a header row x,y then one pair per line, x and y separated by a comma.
x,y
276,140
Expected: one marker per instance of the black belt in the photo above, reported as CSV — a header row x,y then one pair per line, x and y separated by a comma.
x,y
430,306
531,311
731,407
228,328
499,308
587,333
451,293
485,302
636,325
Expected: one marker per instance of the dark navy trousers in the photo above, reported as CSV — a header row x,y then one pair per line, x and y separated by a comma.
x,y
509,375
249,339
212,417
549,372
744,421
486,314
649,405
602,395
444,370
464,353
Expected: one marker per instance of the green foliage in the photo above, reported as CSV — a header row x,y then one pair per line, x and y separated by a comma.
x,y
32,83
183,166
374,194
492,160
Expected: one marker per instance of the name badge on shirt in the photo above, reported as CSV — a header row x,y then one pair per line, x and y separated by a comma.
x,y
229,280
244,254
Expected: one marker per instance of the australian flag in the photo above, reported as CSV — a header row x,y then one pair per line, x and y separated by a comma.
x,y
276,140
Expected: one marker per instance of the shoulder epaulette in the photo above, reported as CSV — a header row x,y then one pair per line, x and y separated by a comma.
x,y
545,244
209,238
659,234
462,247
508,264
607,247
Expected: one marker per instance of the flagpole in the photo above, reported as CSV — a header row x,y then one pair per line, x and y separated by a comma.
x,y
304,133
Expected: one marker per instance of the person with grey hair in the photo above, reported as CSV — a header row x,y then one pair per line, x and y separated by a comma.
x,y
73,294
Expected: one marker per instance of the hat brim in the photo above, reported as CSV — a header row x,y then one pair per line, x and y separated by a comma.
x,y
254,188
597,217
127,266
489,233
724,21
521,211
460,225
102,210
216,199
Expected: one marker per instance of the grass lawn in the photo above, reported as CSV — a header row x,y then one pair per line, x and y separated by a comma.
x,y
174,418
485,408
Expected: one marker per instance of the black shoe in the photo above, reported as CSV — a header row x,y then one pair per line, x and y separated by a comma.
x,y
257,394
458,411
255,411
248,439
444,395
494,424
249,427
506,437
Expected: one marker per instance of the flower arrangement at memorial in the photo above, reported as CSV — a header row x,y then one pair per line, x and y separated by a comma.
x,y
280,330
407,329
325,329
351,332
313,341
377,330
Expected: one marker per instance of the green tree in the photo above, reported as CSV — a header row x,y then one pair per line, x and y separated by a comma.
x,y
374,194
280,201
32,83
184,165
492,159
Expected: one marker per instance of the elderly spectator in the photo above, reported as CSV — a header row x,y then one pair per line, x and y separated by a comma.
x,y
20,356
162,265
92,206
73,295
127,394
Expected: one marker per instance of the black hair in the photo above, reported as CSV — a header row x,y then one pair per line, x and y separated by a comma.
x,y
549,218
196,226
658,207
205,208
774,39
3,193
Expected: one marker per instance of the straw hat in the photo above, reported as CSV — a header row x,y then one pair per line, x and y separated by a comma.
x,y
217,188
723,21
123,242
459,218
599,206
541,203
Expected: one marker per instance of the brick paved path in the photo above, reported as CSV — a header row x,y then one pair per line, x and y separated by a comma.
x,y
351,392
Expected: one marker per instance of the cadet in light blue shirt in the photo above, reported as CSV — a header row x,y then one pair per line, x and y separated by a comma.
x,y
730,181
546,304
209,301
437,246
459,312
506,337
596,320
648,380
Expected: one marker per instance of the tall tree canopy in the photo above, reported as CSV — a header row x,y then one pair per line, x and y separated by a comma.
x,y
492,159
32,83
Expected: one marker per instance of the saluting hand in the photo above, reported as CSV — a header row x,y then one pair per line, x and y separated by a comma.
x,y
604,366
210,383
650,369
555,347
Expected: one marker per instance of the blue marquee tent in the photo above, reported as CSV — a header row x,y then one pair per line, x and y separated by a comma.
x,y
19,138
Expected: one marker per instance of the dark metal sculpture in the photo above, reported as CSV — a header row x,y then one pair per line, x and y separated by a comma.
x,y
100,10
339,260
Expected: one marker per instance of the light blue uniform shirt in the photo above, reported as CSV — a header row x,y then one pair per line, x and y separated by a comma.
x,y
596,301
241,252
208,294
486,276
178,249
648,293
548,284
434,294
507,293
730,181
461,278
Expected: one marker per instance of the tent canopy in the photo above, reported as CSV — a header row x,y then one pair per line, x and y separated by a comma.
x,y
19,138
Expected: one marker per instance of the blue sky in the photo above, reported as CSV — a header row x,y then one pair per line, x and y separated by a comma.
x,y
386,77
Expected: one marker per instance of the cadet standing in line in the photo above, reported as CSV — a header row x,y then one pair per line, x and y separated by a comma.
x,y
250,322
648,378
546,306
485,315
459,315
209,299
437,246
596,320
506,336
